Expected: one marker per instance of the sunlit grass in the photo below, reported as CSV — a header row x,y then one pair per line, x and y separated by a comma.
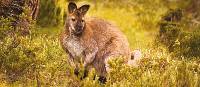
x,y
140,25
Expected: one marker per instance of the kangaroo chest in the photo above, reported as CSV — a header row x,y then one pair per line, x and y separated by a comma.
x,y
74,47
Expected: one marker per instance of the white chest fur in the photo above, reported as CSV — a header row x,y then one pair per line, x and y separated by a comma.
x,y
74,46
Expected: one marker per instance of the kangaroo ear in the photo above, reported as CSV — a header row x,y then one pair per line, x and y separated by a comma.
x,y
72,7
83,9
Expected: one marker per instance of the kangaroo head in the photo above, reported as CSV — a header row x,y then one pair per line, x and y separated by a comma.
x,y
75,20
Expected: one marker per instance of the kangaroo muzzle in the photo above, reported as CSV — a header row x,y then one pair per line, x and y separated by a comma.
x,y
78,30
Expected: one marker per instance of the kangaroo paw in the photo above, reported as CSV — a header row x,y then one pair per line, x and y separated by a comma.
x,y
76,71
102,79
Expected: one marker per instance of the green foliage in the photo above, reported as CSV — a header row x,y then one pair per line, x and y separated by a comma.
x,y
26,58
169,34
5,27
190,43
11,55
151,72
35,58
181,42
38,59
51,12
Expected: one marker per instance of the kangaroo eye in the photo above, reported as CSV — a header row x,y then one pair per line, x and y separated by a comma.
x,y
82,20
73,19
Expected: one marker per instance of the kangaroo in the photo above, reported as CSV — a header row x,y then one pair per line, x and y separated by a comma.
x,y
91,40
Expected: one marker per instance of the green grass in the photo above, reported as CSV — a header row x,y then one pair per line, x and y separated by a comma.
x,y
157,67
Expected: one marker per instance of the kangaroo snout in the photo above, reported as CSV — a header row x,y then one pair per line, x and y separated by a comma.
x,y
78,29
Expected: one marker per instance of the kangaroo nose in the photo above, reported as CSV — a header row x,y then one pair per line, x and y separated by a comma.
x,y
79,28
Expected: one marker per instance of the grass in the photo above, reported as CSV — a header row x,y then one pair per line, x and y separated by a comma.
x,y
157,67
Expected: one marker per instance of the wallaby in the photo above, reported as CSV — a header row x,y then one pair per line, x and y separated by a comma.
x,y
93,41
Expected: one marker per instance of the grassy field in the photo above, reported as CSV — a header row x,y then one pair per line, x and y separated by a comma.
x,y
140,23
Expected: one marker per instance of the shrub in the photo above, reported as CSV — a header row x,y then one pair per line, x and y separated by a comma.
x,y
34,59
178,41
190,43
169,34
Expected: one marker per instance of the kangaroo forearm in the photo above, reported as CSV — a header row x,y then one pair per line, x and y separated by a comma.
x,y
70,59
89,58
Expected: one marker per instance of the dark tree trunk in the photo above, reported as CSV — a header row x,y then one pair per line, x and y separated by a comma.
x,y
34,6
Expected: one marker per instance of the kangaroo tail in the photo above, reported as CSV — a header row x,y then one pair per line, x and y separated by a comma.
x,y
136,55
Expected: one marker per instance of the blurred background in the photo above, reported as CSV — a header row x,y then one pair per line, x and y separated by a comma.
x,y
167,32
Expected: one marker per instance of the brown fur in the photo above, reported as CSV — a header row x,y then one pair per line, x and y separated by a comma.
x,y
99,41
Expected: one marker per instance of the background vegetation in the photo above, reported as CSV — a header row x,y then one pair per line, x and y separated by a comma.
x,y
165,31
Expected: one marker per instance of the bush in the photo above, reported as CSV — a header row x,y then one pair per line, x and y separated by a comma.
x,y
14,60
32,59
169,34
178,41
28,57
190,43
